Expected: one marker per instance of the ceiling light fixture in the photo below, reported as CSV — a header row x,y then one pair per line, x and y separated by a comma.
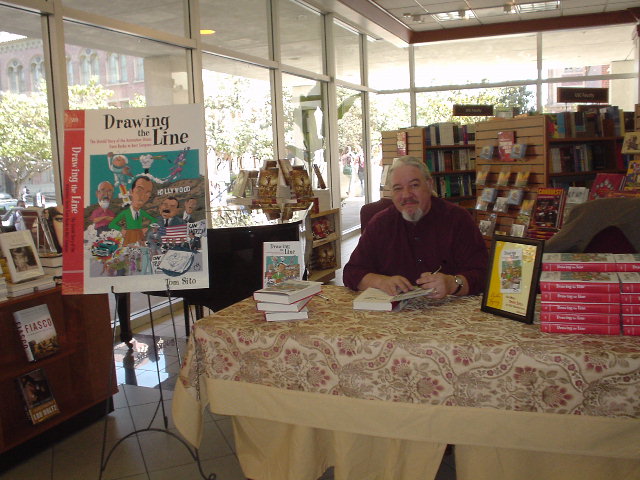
x,y
538,6
455,15
207,32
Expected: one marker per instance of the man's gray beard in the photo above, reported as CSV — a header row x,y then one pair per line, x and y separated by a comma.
x,y
413,217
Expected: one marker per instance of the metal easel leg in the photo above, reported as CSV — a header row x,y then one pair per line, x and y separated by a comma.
x,y
104,456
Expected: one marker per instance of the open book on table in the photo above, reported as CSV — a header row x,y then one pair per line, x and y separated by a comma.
x,y
376,299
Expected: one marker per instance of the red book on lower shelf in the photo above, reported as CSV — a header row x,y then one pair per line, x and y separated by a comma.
x,y
580,328
588,318
580,307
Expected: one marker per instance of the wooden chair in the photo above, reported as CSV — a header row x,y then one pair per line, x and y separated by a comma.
x,y
368,210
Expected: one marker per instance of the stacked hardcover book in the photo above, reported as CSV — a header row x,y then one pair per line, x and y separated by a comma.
x,y
580,293
286,300
629,273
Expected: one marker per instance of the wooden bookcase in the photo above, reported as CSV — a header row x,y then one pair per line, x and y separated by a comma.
x,y
78,373
325,248
447,178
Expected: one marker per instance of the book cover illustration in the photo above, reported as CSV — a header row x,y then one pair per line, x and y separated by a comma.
x,y
35,222
606,182
281,261
300,183
632,180
268,184
486,152
401,143
631,143
519,151
515,196
506,140
522,178
510,270
135,192
38,398
482,174
548,207
489,194
21,256
503,177
501,205
240,184
37,332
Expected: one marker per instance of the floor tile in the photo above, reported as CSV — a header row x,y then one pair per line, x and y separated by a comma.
x,y
226,468
38,467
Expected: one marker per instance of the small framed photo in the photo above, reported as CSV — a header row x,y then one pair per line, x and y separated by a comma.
x,y
512,277
21,255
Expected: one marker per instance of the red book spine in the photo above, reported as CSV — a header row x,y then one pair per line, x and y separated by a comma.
x,y
631,329
630,287
580,267
628,267
630,298
600,318
580,287
632,308
581,297
580,328
580,307
631,320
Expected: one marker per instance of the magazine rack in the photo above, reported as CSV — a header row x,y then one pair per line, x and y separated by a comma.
x,y
105,457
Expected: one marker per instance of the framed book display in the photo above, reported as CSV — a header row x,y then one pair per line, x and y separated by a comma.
x,y
21,255
512,277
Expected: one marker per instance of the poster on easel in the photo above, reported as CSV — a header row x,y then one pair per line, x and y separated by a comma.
x,y
134,200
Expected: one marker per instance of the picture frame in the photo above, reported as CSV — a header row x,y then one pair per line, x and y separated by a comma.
x,y
21,255
512,277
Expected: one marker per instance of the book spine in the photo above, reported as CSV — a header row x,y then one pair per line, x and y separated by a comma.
x,y
630,287
579,287
633,309
23,339
582,297
592,318
579,267
628,267
580,328
630,298
632,330
631,319
581,307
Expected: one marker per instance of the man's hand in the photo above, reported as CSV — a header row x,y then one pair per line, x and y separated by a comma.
x,y
391,285
440,282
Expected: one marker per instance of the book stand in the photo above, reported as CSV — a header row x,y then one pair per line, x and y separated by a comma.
x,y
128,358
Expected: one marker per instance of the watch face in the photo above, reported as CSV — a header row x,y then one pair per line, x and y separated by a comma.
x,y
458,280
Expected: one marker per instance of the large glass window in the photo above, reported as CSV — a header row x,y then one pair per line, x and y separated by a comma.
x,y
25,139
304,130
353,165
388,65
459,62
240,25
347,53
301,36
165,70
165,15
238,120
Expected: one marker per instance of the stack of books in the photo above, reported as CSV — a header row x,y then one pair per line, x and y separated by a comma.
x,y
52,264
580,294
286,300
630,302
43,282
3,288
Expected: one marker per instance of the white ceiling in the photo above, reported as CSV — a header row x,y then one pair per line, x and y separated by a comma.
x,y
489,12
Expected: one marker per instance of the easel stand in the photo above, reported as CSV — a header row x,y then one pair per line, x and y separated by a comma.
x,y
194,453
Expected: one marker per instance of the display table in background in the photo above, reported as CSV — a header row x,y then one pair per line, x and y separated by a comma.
x,y
379,395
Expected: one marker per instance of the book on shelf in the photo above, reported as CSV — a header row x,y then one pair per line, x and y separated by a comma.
x,y
522,178
629,282
517,230
39,402
503,176
548,207
605,182
632,178
401,143
384,175
376,300
240,184
482,174
582,328
281,261
631,143
519,151
285,169
321,183
630,329
286,316
515,196
51,260
580,297
629,298
36,223
579,262
283,307
287,292
631,309
488,225
300,183
268,184
506,140
21,256
501,205
580,307
585,282
577,195
573,317
489,194
526,208
486,152
45,282
37,332
627,262
481,204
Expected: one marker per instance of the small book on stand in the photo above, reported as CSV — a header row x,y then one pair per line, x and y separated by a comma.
x,y
37,332
37,396
281,261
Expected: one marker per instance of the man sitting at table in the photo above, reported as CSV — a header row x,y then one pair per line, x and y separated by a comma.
x,y
419,240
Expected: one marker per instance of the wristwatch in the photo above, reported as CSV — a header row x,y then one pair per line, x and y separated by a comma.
x,y
459,282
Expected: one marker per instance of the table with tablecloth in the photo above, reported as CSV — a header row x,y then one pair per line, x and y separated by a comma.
x,y
379,395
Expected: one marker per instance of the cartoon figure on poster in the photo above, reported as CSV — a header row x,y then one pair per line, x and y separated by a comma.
x,y
143,231
511,271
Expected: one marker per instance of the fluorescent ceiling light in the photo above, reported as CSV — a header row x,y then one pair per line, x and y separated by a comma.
x,y
455,15
538,6
207,32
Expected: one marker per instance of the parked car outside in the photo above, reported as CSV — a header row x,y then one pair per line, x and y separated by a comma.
x,y
7,201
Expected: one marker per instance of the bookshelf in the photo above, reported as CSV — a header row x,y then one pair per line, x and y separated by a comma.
x,y
452,165
323,234
78,373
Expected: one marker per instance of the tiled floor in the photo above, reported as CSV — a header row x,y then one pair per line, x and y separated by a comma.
x,y
150,455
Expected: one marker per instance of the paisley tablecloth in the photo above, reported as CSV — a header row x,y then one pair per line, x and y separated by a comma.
x,y
438,371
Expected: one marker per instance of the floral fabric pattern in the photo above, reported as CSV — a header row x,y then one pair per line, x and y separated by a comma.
x,y
445,352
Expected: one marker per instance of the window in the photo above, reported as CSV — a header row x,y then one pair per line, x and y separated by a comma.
x,y
301,36
388,65
37,72
70,76
15,72
347,53
113,72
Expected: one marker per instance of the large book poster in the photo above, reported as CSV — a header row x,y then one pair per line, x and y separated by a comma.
x,y
134,200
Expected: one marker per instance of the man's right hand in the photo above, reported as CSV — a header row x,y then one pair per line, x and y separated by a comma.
x,y
391,285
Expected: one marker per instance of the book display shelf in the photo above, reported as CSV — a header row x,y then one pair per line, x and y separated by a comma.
x,y
323,234
447,149
77,373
